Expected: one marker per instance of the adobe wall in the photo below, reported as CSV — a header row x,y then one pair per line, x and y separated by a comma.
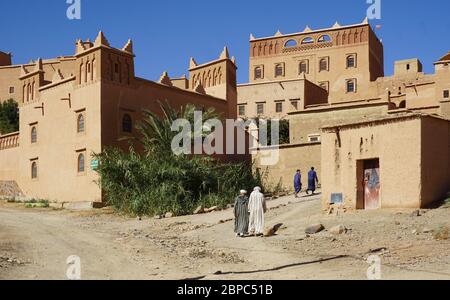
x,y
397,144
269,92
358,40
311,121
58,144
144,95
435,141
9,160
291,158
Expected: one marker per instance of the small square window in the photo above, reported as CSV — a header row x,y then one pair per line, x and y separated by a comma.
x,y
279,107
260,108
279,70
446,94
303,67
323,65
242,110
11,90
259,72
351,61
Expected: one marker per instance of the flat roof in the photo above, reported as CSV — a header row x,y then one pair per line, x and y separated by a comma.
x,y
405,116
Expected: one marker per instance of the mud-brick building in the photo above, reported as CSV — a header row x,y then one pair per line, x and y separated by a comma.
x,y
386,162
323,78
76,105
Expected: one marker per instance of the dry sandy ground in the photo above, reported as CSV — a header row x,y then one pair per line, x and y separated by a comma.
x,y
35,244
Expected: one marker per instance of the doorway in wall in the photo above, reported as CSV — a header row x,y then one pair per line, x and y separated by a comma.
x,y
370,184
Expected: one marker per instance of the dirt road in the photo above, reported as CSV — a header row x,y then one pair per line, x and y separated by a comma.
x,y
35,244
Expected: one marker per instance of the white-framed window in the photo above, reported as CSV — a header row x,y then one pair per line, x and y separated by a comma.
x,y
351,86
279,70
259,72
323,64
314,138
351,61
303,67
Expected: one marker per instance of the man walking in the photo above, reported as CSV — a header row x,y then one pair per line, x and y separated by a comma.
x,y
257,207
298,183
312,181
241,214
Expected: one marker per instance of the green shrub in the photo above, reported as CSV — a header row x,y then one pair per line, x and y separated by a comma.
x,y
9,117
157,181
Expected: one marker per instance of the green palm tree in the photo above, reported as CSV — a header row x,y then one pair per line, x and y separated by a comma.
x,y
156,130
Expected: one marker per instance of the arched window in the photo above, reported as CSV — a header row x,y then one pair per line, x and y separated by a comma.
x,y
324,38
34,170
127,123
351,86
81,163
33,135
351,61
303,67
307,40
80,123
402,104
290,43
323,65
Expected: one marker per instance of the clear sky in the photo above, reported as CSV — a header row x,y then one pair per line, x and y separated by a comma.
x,y
167,33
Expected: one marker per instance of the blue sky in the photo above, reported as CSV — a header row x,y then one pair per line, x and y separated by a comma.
x,y
167,33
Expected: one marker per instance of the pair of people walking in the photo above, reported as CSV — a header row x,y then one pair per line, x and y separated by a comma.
x,y
312,181
249,213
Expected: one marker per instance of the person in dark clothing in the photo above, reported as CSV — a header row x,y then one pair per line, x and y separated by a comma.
x,y
241,214
298,183
312,181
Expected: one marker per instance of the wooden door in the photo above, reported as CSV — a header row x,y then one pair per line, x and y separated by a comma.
x,y
372,184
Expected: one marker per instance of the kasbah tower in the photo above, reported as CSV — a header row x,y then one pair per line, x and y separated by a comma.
x,y
377,141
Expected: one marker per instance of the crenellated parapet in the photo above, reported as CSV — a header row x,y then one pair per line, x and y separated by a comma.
x,y
32,78
99,61
309,39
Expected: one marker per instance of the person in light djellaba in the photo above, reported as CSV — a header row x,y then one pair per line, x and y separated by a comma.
x,y
257,208
241,214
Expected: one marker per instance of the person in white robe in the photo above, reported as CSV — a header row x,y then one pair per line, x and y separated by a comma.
x,y
257,207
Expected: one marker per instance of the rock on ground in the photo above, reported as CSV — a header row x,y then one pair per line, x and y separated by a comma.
x,y
313,229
